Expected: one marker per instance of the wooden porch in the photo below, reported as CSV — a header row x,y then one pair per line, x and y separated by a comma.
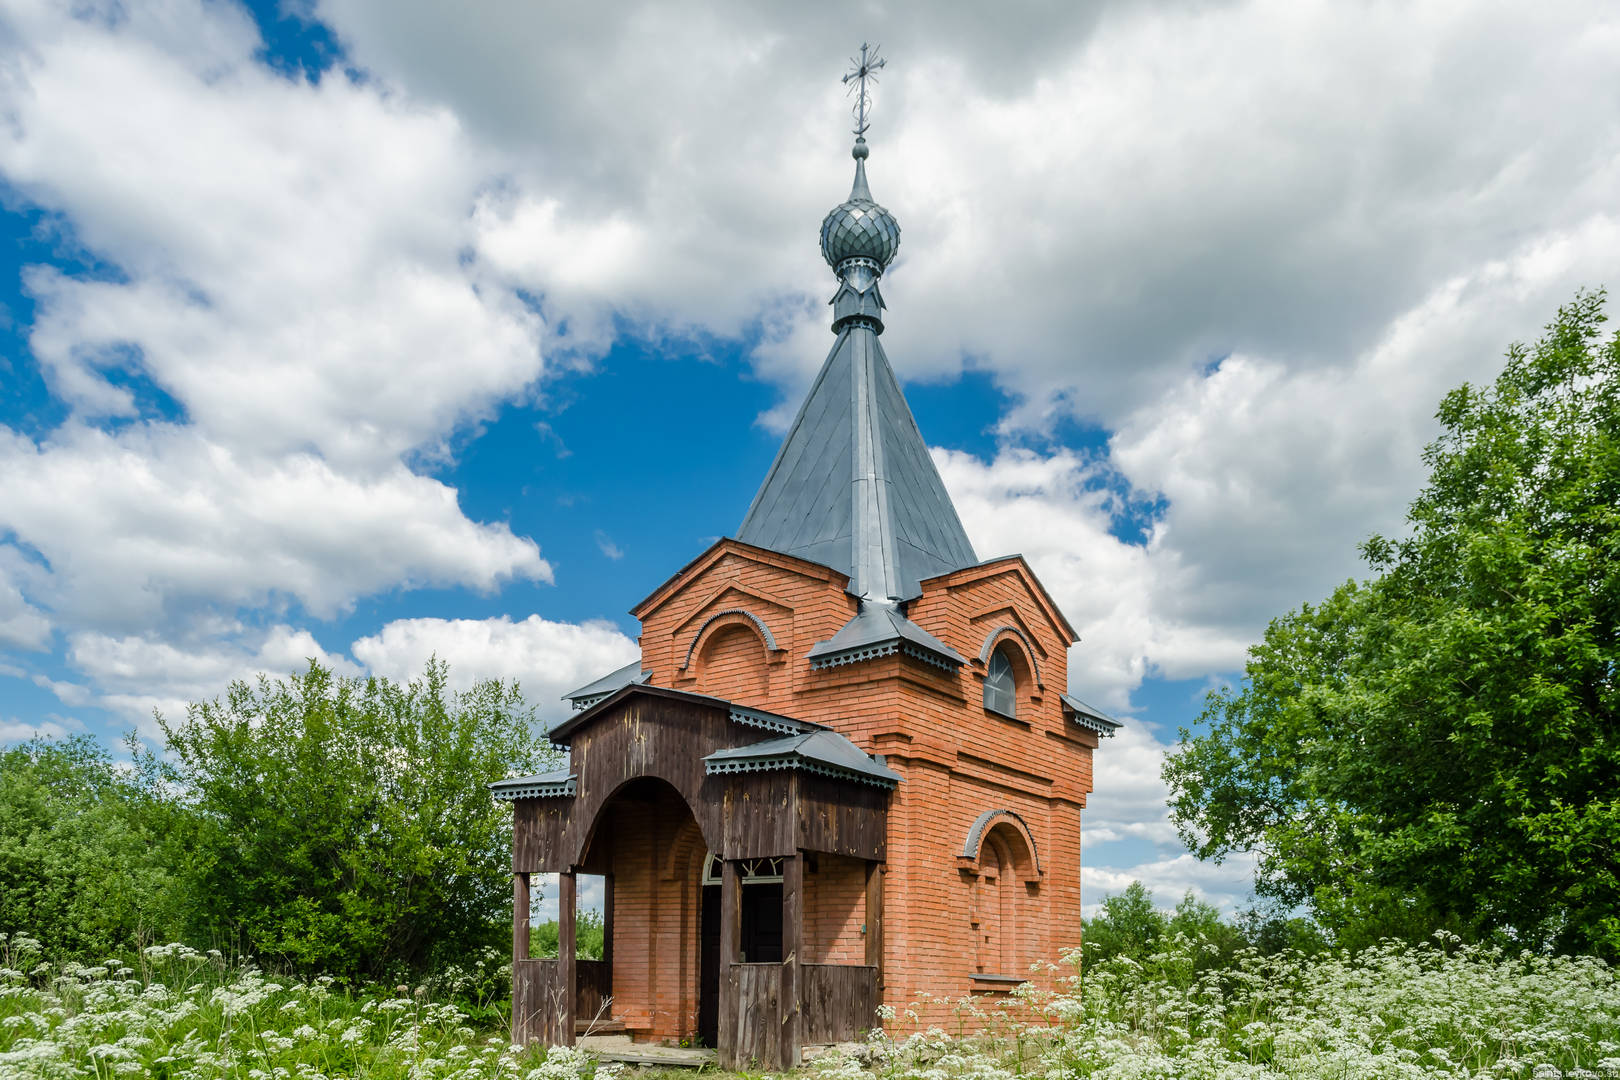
x,y
664,784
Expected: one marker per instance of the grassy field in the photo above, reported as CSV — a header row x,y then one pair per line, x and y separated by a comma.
x,y
1395,1011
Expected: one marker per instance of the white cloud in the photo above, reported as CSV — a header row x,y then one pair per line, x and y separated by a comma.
x,y
14,730
547,658
22,625
1227,885
1093,200
139,524
289,264
135,675
294,256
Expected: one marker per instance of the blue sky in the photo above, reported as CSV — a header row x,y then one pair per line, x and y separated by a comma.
x,y
367,330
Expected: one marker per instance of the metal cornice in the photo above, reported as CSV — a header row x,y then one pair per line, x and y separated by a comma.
x,y
1029,647
759,623
981,825
781,725
789,761
511,791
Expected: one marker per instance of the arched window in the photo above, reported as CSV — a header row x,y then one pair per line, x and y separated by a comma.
x,y
1000,688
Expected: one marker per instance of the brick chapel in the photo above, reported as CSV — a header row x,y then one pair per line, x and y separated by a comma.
x,y
844,772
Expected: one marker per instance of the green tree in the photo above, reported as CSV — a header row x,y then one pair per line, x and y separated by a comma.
x,y
1437,746
346,825
1127,925
89,851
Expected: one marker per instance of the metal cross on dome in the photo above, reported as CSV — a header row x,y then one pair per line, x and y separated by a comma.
x,y
864,69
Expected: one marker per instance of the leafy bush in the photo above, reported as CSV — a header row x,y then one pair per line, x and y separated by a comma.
x,y
1128,925
588,937
91,856
173,1012
1437,747
346,826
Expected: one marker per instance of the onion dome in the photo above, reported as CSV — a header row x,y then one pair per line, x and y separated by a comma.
x,y
858,228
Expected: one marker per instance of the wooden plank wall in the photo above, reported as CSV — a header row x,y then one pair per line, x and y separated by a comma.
x,y
840,1001
595,987
756,1025
538,1009
842,817
745,815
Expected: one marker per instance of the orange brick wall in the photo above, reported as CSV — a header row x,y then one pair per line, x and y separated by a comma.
x,y
835,911
656,862
957,759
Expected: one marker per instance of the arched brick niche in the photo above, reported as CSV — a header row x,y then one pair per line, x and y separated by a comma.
x,y
729,654
1001,869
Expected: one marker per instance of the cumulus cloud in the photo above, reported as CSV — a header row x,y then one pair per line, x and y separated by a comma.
x,y
14,730
287,318
1227,885
1093,199
136,524
547,658
136,675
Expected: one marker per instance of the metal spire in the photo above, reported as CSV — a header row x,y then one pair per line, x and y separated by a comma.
x,y
864,69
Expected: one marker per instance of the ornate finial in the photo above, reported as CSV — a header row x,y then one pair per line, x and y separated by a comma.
x,y
866,68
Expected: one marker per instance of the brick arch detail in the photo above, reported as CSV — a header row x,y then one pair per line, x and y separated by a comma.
x,y
687,846
973,846
595,808
1023,638
729,614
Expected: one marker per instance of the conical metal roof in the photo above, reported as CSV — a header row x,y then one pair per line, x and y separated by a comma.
x,y
853,486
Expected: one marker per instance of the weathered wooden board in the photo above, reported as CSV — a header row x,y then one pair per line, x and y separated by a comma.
x,y
755,992
842,817
666,734
839,1001
539,1008
595,986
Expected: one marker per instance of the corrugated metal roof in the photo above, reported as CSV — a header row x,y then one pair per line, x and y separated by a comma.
x,y
854,487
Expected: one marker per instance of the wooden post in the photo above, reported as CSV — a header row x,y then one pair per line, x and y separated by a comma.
x,y
567,976
607,920
520,917
730,954
521,1006
792,940
874,918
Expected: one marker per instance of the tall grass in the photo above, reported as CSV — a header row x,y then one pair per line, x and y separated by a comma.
x,y
1394,1010
178,1014
1397,1011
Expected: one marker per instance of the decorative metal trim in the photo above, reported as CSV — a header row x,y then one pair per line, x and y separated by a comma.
x,y
927,656
1029,649
855,656
779,724
982,825
791,761
555,789
581,703
886,648
1091,723
759,623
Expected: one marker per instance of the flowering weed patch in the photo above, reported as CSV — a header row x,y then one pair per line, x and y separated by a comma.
x,y
1441,1010
178,1014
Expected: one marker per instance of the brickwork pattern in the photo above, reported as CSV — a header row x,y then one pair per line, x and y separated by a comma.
x,y
948,917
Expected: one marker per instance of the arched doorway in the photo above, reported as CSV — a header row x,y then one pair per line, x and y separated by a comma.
x,y
647,845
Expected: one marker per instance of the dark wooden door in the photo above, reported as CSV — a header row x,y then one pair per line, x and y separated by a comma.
x,y
762,922
709,966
